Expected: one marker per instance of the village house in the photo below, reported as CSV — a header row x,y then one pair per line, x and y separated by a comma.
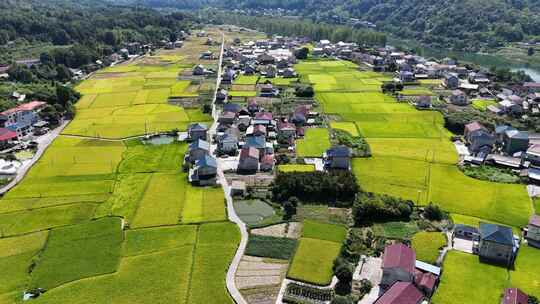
x,y
398,265
263,118
406,76
267,163
451,81
479,139
426,281
232,107
289,73
299,117
228,144
204,172
197,150
207,55
532,233
227,118
459,98
22,118
199,70
253,106
515,141
7,137
229,75
267,90
222,96
401,293
197,131
533,155
270,71
256,130
287,129
465,232
249,160
496,244
514,296
337,158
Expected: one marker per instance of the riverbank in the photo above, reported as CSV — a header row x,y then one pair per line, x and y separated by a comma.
x,y
509,57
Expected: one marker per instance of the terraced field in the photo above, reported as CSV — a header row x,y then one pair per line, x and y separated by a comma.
x,y
100,221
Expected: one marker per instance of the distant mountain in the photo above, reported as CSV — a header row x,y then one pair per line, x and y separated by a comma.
x,y
456,24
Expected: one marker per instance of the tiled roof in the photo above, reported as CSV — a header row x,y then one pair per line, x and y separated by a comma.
x,y
496,233
30,106
399,256
401,293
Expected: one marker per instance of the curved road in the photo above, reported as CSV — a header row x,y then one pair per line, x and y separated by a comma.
x,y
233,217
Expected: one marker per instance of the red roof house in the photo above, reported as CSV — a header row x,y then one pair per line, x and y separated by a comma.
x,y
29,106
514,296
401,293
398,264
7,135
263,116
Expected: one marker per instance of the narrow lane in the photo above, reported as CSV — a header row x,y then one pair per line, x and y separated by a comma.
x,y
233,217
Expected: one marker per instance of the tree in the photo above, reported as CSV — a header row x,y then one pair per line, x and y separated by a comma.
x,y
21,73
433,212
110,38
530,51
305,91
289,209
344,273
533,300
342,300
301,53
63,74
61,37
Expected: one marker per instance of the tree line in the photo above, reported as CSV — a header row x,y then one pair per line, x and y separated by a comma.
x,y
300,28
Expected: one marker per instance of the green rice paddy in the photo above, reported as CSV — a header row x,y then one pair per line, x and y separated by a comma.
x,y
413,158
100,221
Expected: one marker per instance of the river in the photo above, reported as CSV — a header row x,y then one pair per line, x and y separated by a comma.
x,y
485,60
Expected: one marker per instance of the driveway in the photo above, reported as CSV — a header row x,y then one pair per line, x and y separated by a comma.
x,y
370,270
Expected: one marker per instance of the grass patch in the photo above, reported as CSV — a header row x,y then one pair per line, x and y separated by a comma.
x,y
525,274
243,93
461,271
396,230
483,104
313,261
427,245
246,80
348,127
296,168
270,247
314,144
492,174
322,231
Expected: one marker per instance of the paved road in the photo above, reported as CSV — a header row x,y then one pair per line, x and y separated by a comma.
x,y
43,142
233,217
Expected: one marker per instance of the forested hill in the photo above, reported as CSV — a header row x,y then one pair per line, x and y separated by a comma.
x,y
457,24
88,22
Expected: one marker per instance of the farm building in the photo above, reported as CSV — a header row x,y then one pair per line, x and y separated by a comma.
x,y
398,265
401,293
